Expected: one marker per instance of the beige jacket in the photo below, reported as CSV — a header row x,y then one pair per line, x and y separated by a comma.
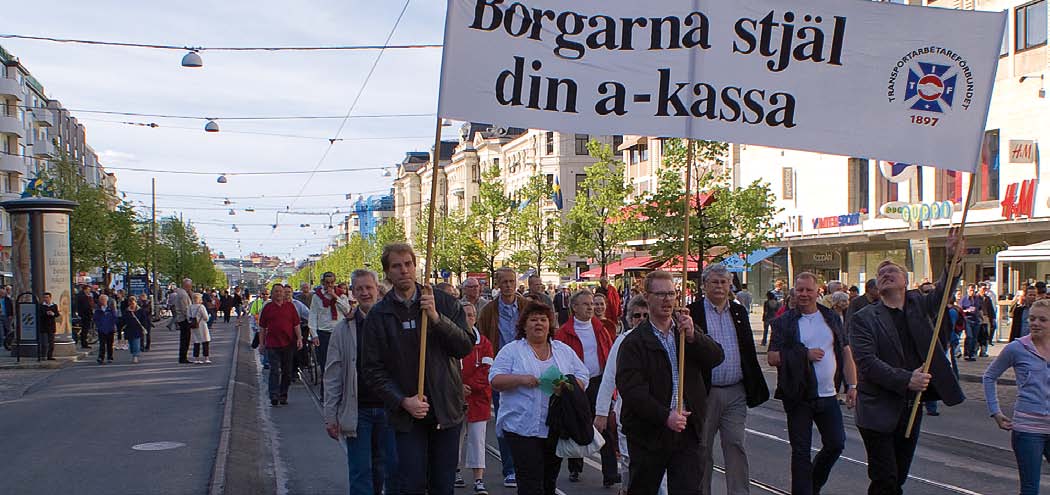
x,y
340,378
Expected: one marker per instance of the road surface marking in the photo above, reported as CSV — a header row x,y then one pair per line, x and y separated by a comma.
x,y
157,446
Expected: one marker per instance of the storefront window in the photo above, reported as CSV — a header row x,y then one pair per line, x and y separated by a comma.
x,y
988,173
949,186
863,265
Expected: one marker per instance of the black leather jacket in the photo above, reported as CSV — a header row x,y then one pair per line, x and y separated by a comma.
x,y
390,357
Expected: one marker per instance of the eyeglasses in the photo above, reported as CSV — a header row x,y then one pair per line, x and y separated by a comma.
x,y
663,295
638,316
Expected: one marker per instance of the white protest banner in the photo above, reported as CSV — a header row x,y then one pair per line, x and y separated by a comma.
x,y
849,77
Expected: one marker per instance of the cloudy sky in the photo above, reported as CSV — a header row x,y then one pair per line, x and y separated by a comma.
x,y
241,84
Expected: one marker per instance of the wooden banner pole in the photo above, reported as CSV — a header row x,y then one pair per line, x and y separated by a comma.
x,y
953,265
685,270
427,289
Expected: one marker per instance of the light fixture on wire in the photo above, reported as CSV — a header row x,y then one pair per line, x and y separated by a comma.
x,y
192,59
221,179
386,173
211,126
232,212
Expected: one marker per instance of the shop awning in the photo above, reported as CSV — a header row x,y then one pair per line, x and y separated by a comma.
x,y
736,263
628,142
1039,251
617,268
675,266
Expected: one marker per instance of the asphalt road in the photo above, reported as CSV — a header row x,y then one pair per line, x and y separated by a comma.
x,y
75,432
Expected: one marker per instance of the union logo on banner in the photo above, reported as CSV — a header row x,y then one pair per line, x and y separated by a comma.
x,y
928,89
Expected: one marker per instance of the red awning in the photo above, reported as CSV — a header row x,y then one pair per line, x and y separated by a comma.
x,y
617,267
675,266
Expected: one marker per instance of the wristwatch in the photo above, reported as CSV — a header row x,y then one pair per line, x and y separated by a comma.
x,y
851,386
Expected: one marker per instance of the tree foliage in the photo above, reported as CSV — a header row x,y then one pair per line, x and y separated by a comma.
x,y
358,252
725,221
533,230
594,229
491,215
180,254
457,245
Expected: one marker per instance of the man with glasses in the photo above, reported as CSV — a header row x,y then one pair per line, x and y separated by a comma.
x,y
736,385
326,309
471,289
637,312
585,334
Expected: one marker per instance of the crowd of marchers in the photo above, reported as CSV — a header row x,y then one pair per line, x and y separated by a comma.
x,y
639,379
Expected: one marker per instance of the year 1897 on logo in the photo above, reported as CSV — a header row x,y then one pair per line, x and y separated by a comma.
x,y
933,82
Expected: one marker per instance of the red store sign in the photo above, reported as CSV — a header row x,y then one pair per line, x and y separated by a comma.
x,y
1019,204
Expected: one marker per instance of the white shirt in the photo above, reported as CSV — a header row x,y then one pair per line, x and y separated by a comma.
x,y
523,410
608,386
814,333
585,331
321,317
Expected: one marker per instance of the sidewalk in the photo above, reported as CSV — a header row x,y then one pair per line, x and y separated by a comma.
x,y
969,371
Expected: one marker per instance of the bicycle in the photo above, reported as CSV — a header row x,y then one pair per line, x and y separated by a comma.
x,y
309,367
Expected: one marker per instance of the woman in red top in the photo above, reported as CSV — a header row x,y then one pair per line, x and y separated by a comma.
x,y
279,321
601,312
478,393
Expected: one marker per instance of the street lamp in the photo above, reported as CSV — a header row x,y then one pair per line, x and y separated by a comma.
x,y
192,59
1042,90
211,126
221,179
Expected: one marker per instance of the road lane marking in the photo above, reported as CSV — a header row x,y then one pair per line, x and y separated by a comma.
x,y
938,484
154,446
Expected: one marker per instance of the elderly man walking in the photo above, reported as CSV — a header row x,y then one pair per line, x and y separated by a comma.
x,y
180,310
736,385
327,307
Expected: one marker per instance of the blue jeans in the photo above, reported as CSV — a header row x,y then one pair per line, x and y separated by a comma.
x,y
135,346
970,345
809,475
427,458
1030,449
369,469
504,448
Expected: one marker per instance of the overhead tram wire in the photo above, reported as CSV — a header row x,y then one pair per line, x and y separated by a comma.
x,y
224,48
154,125
281,172
353,105
219,117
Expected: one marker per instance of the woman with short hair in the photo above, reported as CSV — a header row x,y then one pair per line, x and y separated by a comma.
x,y
522,414
200,336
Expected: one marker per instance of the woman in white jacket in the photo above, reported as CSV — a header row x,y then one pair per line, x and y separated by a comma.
x,y
200,336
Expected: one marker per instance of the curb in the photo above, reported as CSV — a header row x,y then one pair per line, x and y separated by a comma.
x,y
980,379
217,486
32,364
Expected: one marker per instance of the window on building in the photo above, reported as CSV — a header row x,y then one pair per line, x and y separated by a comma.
x,y
1004,50
885,191
549,140
987,175
581,143
948,186
475,172
495,163
550,182
580,178
1030,25
617,142
858,185
639,153
550,230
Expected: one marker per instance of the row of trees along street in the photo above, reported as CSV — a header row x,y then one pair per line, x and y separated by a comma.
x,y
117,240
726,220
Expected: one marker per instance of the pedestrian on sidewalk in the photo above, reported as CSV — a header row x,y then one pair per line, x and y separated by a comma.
x,y
871,296
988,320
498,322
279,324
736,385
49,315
353,411
1029,357
131,321
427,416
478,394
813,361
254,310
601,312
200,334
663,440
105,320
85,307
769,313
522,416
1019,326
971,305
328,306
180,314
889,342
146,317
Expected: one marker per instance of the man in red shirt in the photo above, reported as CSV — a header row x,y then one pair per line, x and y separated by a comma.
x,y
280,334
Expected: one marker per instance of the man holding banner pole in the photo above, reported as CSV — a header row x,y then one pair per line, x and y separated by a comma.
x,y
889,340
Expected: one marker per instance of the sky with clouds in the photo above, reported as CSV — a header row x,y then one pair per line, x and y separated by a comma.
x,y
242,84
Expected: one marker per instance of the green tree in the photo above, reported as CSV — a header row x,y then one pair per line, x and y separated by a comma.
x,y
388,232
491,215
533,229
724,220
180,254
593,229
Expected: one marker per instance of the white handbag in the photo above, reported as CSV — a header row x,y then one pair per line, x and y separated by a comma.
x,y
567,448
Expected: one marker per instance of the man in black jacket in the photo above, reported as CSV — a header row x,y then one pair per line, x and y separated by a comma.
x,y
85,309
889,341
427,422
660,438
736,385
812,359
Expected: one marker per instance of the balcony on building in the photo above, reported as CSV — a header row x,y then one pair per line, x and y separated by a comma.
x,y
12,163
10,88
43,148
43,117
11,125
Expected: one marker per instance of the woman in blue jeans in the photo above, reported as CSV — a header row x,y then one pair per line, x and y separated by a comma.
x,y
1030,426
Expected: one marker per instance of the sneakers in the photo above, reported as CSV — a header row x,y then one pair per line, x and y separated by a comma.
x,y
479,488
460,483
510,481
574,477
198,361
207,361
135,360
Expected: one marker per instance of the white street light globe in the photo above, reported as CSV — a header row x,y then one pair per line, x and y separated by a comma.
x,y
211,126
192,59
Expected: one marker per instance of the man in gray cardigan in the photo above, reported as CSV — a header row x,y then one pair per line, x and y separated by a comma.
x,y
354,413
